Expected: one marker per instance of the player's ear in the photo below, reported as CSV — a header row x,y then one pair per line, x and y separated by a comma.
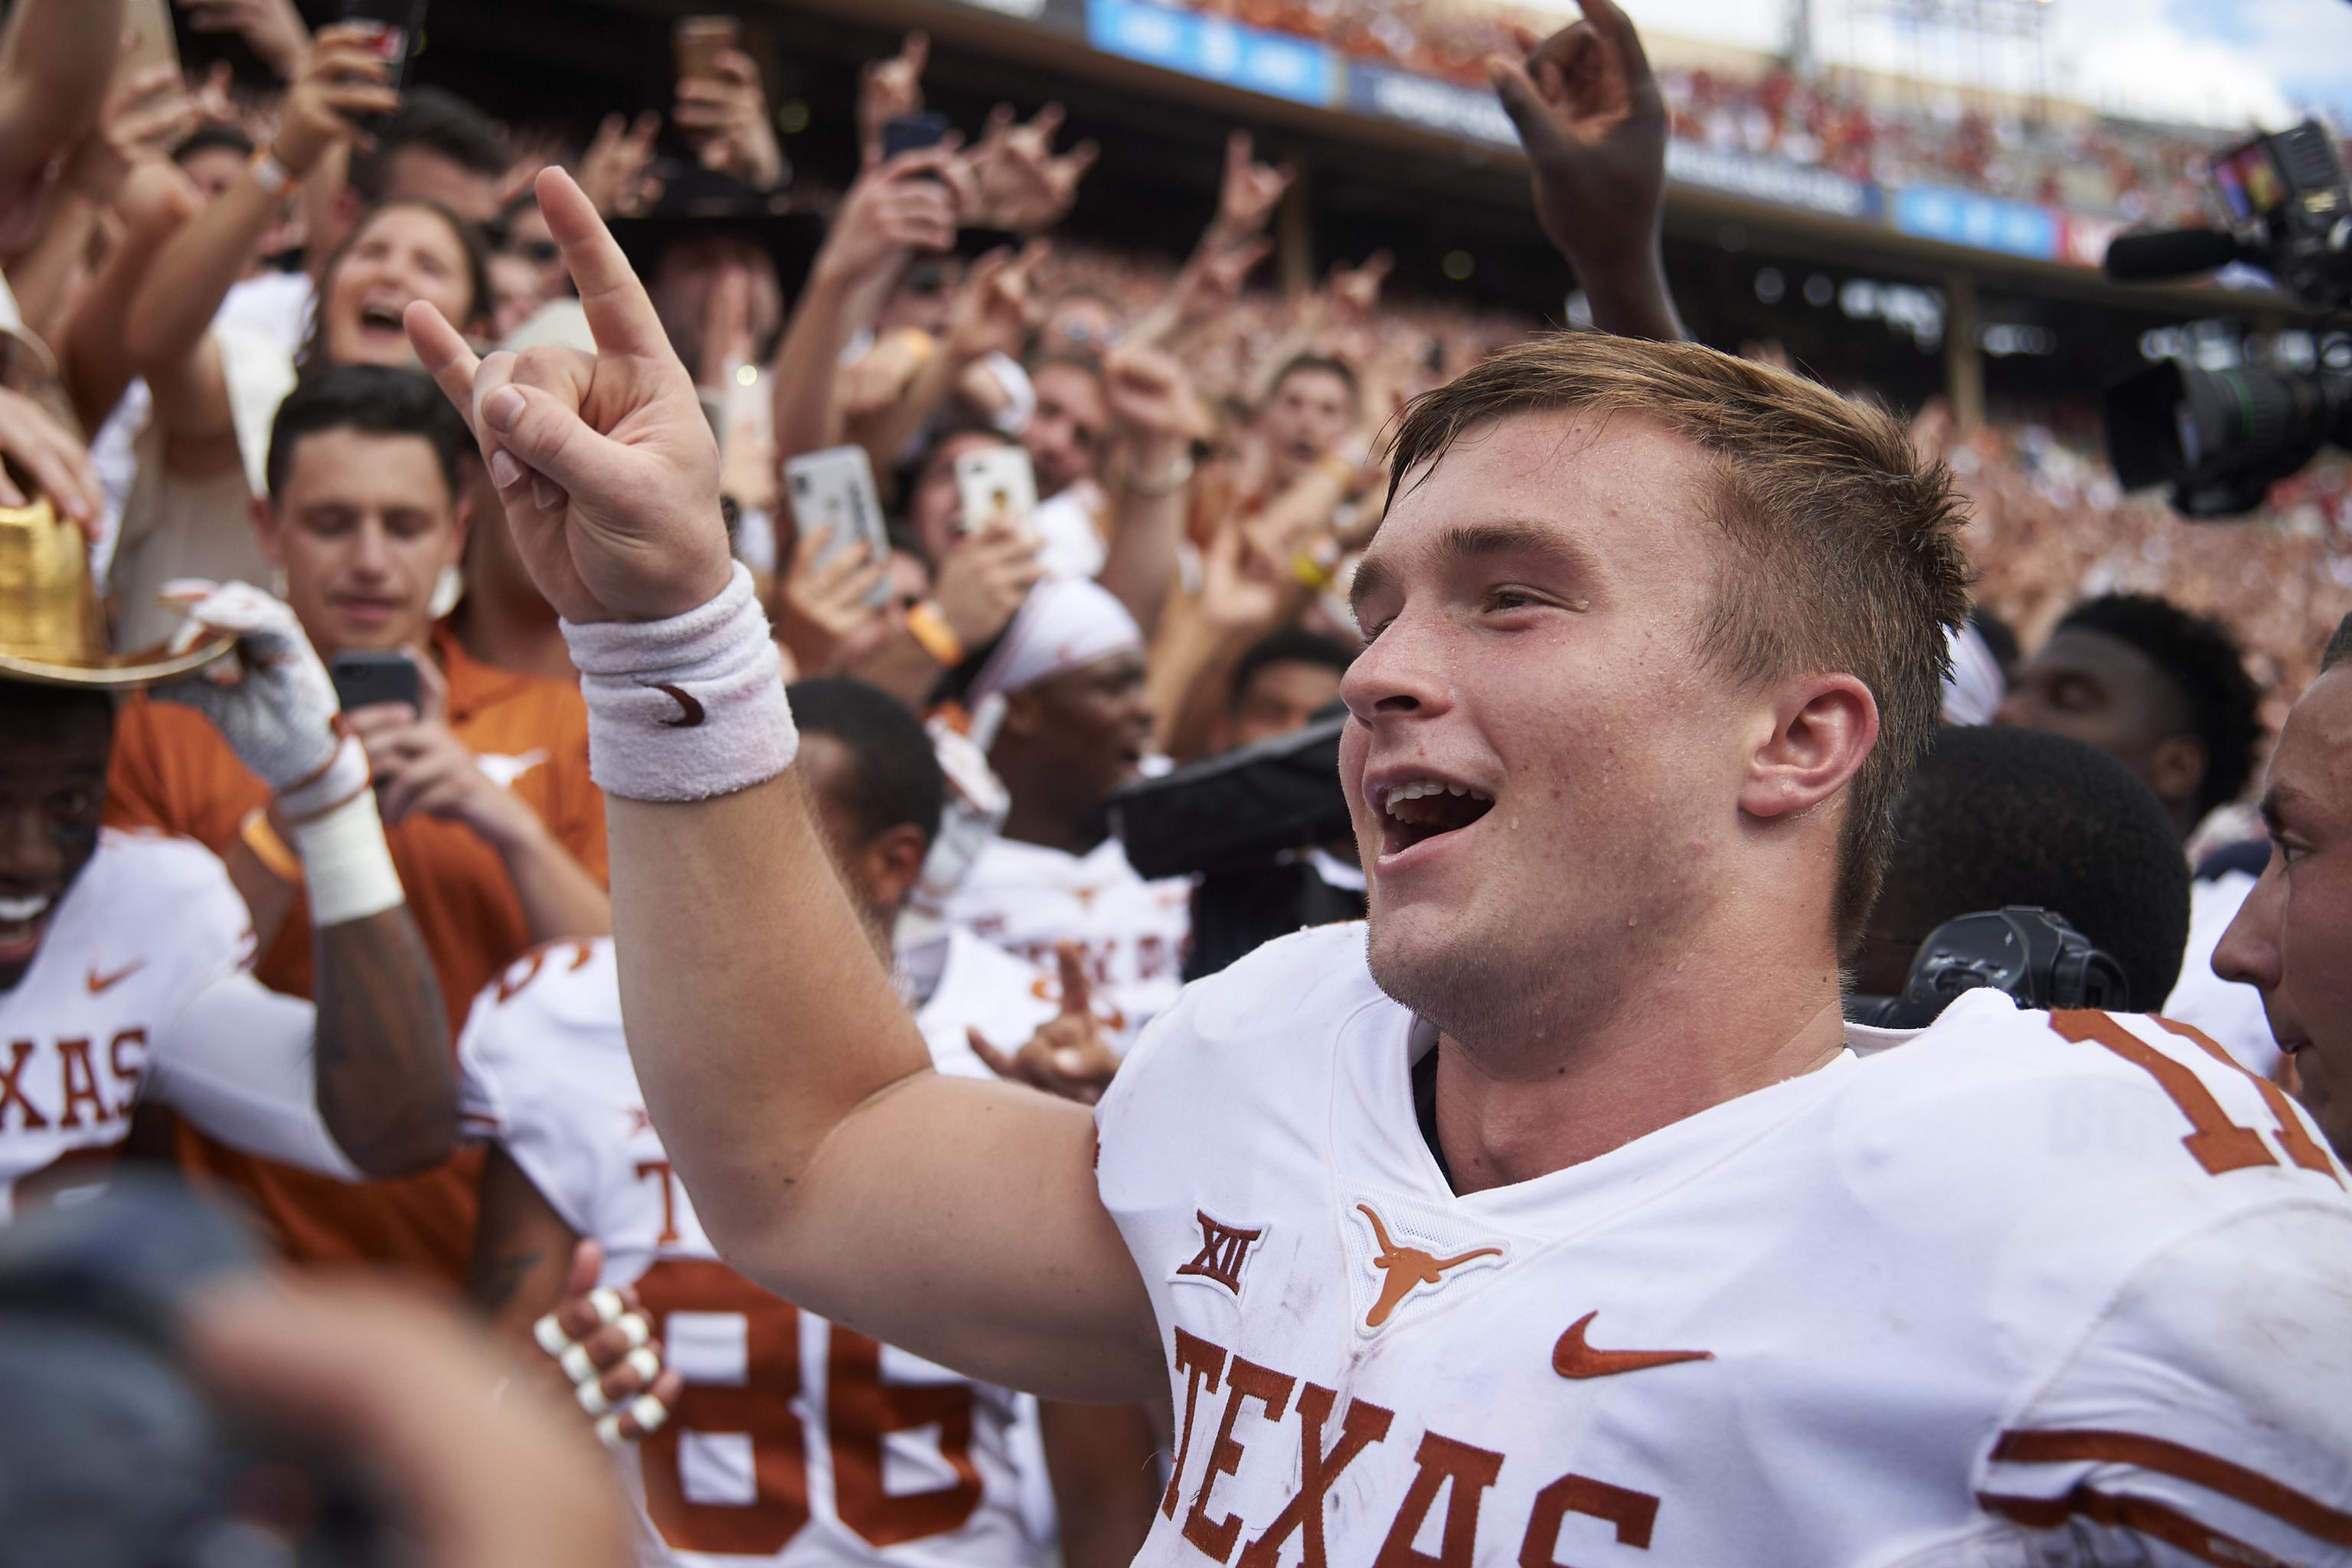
x,y
1021,715
2177,767
894,861
1822,727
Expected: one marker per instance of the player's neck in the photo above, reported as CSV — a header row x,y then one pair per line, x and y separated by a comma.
x,y
531,644
1510,1112
1055,825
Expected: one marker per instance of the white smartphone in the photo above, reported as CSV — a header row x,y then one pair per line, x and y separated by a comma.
x,y
996,483
833,491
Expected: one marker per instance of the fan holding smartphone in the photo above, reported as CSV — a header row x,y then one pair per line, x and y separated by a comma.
x,y
723,108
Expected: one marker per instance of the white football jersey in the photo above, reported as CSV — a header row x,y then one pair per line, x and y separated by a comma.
x,y
795,1442
2228,1010
139,991
1025,898
2019,1290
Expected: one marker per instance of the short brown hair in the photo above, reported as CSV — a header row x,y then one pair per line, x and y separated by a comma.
x,y
1842,541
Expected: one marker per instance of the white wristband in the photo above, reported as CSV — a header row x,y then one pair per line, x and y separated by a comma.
x,y
346,865
687,708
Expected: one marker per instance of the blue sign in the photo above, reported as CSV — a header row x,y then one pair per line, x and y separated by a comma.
x,y
1213,48
1472,114
1981,223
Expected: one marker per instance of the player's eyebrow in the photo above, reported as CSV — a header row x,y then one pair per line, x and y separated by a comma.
x,y
2281,802
1471,541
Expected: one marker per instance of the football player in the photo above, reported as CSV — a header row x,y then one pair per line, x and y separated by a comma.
x,y
1554,1216
2291,939
122,955
794,1439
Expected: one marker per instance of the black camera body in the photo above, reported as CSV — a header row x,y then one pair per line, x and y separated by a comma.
x,y
2031,955
2219,439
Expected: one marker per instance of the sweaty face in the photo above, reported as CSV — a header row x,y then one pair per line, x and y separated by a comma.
x,y
2103,691
1310,412
1279,697
1095,720
2293,936
364,525
1065,435
52,794
1544,774
401,254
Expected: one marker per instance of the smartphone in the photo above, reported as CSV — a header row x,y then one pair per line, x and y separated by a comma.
x,y
996,484
150,41
907,133
369,676
833,491
398,27
700,40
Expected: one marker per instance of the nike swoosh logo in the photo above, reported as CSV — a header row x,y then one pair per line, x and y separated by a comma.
x,y
100,983
1572,1358
689,710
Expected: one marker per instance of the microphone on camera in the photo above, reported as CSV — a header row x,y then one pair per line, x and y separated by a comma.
x,y
2174,253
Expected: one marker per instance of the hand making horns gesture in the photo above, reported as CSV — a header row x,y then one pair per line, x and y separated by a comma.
x,y
608,469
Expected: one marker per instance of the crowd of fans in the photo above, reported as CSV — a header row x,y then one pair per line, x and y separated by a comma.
x,y
1114,505
1922,134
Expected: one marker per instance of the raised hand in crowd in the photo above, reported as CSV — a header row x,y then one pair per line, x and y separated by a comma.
x,y
1156,417
1247,197
1593,123
889,88
725,119
1069,1055
1012,179
617,169
824,615
340,81
983,579
272,29
51,458
998,306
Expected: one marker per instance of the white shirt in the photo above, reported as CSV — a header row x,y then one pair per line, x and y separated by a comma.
x,y
139,991
1025,898
2229,1011
1989,1297
795,1442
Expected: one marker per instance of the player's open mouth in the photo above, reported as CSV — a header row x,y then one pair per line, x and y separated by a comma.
x,y
1415,810
22,920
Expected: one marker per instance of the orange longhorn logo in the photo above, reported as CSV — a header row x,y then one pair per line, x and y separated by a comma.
x,y
1403,1268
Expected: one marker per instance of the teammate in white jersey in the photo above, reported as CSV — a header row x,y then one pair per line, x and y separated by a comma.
x,y
1069,671
1551,1217
122,955
795,1441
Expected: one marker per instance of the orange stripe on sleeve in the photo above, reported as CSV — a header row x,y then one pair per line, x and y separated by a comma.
x,y
2194,1466
2143,1516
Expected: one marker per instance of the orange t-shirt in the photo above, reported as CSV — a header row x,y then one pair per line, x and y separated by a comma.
x,y
172,770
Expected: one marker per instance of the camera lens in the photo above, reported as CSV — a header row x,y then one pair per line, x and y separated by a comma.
x,y
2220,439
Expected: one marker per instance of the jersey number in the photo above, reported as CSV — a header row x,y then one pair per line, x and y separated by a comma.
x,y
860,1411
2218,1143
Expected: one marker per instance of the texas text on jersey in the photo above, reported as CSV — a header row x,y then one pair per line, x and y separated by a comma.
x,y
2022,1288
138,991
795,1441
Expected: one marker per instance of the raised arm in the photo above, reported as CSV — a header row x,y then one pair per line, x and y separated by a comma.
x,y
383,1075
1592,120
54,62
825,1157
185,287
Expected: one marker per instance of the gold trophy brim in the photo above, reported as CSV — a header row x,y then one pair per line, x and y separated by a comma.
x,y
51,631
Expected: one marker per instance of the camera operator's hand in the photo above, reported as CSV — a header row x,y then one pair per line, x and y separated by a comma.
x,y
1068,1055
1592,120
894,210
985,578
398,1382
341,77
727,122
608,469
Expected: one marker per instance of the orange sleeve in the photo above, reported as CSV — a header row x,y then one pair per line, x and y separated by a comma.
x,y
578,805
171,771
